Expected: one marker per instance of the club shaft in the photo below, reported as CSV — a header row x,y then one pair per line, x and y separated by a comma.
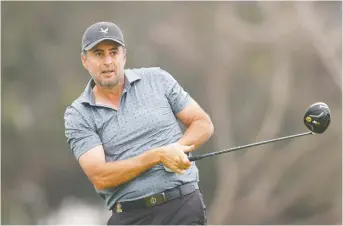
x,y
194,158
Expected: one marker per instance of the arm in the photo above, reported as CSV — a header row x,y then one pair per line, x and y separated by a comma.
x,y
112,174
198,123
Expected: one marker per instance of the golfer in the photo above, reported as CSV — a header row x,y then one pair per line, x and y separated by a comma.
x,y
124,132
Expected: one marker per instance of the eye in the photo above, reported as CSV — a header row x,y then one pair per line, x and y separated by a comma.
x,y
98,54
113,53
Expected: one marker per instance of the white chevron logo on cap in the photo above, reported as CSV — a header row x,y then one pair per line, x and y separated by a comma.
x,y
104,30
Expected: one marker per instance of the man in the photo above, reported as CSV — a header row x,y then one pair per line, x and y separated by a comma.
x,y
124,132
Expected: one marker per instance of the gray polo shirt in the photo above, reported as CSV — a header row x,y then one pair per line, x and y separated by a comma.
x,y
145,120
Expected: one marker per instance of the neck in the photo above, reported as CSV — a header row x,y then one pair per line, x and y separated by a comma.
x,y
110,93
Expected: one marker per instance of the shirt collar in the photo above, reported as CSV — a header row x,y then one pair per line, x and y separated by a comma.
x,y
129,78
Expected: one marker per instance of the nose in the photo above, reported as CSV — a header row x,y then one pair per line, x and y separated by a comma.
x,y
108,60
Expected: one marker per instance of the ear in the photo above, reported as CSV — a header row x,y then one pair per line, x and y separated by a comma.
x,y
124,57
84,60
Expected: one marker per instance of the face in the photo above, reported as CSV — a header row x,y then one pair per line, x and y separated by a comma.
x,y
105,62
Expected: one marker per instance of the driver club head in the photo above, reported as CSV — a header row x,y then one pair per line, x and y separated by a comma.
x,y
317,117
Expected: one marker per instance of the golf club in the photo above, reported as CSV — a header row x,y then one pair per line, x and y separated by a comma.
x,y
317,119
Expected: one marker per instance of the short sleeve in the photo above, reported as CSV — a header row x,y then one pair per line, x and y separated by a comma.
x,y
80,136
178,98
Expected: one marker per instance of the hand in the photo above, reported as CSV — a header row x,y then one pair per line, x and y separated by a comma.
x,y
173,156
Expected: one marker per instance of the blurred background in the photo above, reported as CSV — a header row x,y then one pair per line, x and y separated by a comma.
x,y
255,67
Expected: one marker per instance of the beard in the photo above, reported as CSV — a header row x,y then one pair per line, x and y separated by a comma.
x,y
109,82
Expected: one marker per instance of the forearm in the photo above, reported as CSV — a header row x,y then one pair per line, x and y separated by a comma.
x,y
113,174
197,133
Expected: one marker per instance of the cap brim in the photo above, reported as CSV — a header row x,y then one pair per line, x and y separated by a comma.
x,y
90,46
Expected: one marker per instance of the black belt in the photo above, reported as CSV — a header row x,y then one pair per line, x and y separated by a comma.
x,y
154,199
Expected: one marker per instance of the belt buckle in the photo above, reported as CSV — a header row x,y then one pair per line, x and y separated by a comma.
x,y
153,200
156,199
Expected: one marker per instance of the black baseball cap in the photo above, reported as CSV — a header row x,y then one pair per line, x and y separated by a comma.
x,y
99,32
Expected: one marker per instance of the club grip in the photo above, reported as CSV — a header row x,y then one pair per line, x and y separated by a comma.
x,y
192,159
197,157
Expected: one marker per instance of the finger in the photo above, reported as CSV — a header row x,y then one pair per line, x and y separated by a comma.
x,y
177,167
188,164
178,170
181,171
185,160
188,148
184,167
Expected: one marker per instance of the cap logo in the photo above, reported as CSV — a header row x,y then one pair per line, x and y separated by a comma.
x,y
105,31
